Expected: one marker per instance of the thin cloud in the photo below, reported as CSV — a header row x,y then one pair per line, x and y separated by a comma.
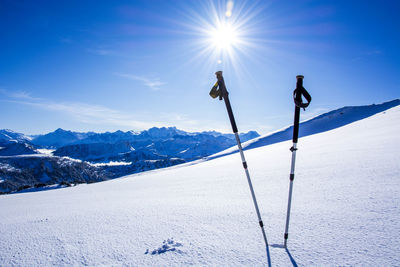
x,y
101,115
153,84
373,52
18,94
367,54
90,114
101,52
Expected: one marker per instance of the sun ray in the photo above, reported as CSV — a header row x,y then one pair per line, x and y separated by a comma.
x,y
219,42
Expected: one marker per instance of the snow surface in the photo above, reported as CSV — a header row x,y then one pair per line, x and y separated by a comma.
x,y
45,151
111,163
345,209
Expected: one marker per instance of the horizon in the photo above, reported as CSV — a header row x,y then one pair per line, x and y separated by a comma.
x,y
179,129
68,130
134,65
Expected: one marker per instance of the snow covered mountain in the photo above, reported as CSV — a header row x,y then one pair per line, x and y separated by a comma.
x,y
94,152
17,148
7,136
164,142
58,138
110,154
318,124
61,137
243,136
345,209
13,143
29,171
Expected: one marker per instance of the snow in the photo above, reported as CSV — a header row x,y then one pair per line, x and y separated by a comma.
x,y
45,151
8,168
43,188
111,163
183,151
67,159
27,156
345,210
151,160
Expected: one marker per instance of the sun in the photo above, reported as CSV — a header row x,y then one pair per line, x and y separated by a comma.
x,y
224,36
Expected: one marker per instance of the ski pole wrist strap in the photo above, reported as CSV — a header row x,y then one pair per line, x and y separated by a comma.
x,y
219,89
297,96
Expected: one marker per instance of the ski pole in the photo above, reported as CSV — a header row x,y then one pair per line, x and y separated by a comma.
x,y
219,89
298,101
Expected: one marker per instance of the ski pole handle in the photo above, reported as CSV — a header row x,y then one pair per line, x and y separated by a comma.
x,y
297,100
219,89
299,83
223,94
298,93
221,84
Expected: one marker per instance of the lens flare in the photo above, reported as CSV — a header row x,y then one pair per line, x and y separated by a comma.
x,y
229,7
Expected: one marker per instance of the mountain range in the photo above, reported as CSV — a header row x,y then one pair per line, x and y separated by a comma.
x,y
69,157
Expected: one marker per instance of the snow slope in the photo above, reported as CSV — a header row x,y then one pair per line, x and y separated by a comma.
x,y
345,209
324,122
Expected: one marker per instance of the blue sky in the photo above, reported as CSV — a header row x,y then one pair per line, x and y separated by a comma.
x,y
130,65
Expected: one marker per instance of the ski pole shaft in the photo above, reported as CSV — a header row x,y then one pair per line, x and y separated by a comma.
x,y
224,95
294,148
260,222
296,124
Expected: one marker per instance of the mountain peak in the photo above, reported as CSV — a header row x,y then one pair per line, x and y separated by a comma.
x,y
60,130
10,135
57,138
7,131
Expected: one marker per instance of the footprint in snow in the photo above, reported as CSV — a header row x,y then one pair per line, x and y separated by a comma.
x,y
167,245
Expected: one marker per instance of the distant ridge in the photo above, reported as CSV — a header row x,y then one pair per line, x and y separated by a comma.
x,y
61,137
7,136
321,123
